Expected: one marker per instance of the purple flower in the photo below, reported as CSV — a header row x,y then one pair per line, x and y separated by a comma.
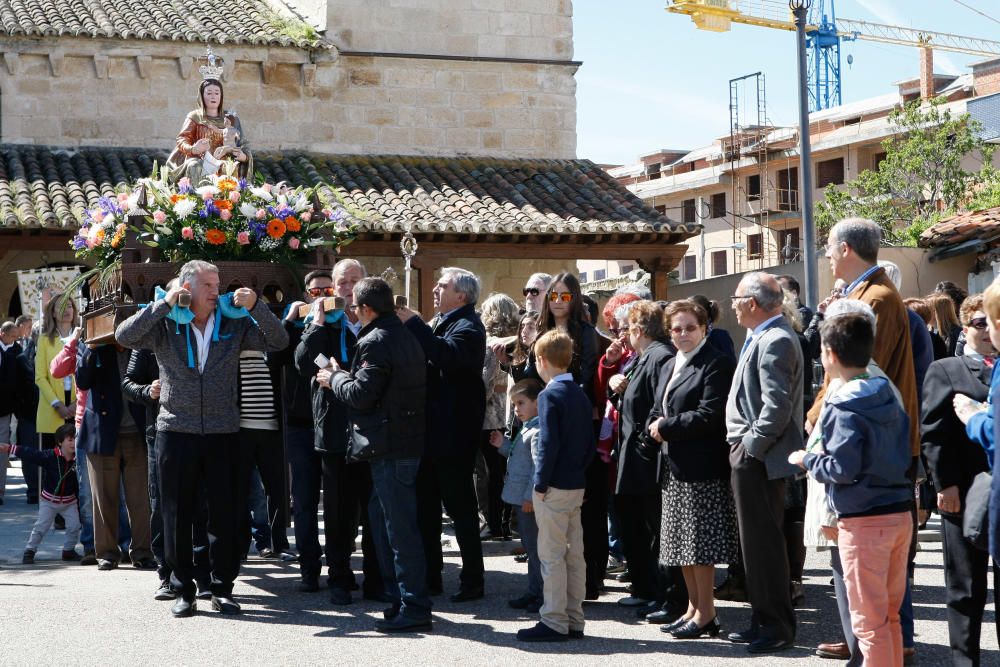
x,y
241,184
185,189
79,243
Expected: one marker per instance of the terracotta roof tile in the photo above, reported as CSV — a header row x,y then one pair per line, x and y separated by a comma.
x,y
983,225
50,187
235,22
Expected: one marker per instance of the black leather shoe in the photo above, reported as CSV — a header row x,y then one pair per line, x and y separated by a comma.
x,y
339,596
674,624
391,613
541,633
692,630
106,565
743,636
165,592
183,608
468,594
576,634
401,623
204,592
769,645
661,617
225,605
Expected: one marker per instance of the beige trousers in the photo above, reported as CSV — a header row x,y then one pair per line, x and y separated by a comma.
x,y
560,551
128,466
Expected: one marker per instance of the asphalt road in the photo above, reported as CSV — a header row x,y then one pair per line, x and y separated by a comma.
x,y
65,614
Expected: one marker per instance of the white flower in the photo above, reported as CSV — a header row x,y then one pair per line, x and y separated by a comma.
x,y
262,193
166,231
184,207
249,211
133,200
207,189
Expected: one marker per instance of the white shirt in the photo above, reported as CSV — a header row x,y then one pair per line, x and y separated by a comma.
x,y
681,360
562,377
355,327
204,340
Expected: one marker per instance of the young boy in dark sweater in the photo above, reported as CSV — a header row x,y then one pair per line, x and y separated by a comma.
x,y
59,490
563,449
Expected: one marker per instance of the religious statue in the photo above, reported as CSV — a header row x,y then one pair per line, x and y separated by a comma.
x,y
210,136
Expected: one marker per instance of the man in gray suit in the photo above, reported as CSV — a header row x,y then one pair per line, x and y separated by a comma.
x,y
763,426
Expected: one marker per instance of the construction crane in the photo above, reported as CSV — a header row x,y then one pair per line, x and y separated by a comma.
x,y
824,34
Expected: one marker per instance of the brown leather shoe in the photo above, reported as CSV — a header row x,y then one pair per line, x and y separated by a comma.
x,y
909,655
834,651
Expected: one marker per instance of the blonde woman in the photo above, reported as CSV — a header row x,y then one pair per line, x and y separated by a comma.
x,y
57,397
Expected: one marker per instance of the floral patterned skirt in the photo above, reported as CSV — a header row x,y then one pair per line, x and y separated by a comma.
x,y
699,522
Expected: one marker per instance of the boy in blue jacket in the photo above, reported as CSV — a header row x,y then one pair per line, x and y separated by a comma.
x,y
565,446
866,453
518,486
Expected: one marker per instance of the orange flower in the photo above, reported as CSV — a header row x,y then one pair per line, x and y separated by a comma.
x,y
226,184
223,204
175,198
276,228
293,224
215,236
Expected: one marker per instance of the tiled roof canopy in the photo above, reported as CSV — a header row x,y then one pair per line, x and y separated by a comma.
x,y
49,188
981,226
251,22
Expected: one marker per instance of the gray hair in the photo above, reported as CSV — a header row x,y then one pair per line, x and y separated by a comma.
x,y
790,309
892,272
639,290
543,278
340,268
464,282
769,297
862,235
622,311
500,315
847,306
193,268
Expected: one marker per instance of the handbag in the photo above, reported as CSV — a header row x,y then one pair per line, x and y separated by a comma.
x,y
975,520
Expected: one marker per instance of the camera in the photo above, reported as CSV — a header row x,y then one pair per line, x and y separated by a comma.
x,y
647,448
184,299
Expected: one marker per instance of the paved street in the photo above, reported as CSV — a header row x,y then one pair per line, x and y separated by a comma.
x,y
66,614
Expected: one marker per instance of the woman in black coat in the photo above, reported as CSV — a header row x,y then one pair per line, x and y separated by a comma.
x,y
698,529
637,490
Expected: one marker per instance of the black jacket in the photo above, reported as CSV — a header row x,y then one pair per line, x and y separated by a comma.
x,y
694,433
142,370
952,459
98,372
8,379
296,391
330,416
586,356
386,393
636,475
456,396
26,406
59,483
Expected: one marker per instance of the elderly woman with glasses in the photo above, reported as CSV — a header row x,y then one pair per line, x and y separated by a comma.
x,y
698,528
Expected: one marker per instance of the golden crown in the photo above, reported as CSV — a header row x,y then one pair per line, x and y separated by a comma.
x,y
213,65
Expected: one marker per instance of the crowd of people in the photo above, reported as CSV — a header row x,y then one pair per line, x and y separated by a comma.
x,y
652,450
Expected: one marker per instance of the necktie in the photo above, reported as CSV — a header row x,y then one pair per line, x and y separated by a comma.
x,y
746,344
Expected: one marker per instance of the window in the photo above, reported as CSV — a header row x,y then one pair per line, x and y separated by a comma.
x,y
877,160
600,274
688,211
653,171
830,172
690,267
718,207
720,263
755,246
788,189
583,277
626,268
790,249
753,187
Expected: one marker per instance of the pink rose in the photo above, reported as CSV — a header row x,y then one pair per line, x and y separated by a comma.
x,y
122,197
261,213
328,212
159,217
306,216
293,243
187,233
97,216
184,182
234,196
243,238
266,187
225,215
207,196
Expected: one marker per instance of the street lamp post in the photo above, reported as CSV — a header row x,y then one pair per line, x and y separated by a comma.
x,y
799,10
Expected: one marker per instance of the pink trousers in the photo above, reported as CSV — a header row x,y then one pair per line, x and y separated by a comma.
x,y
873,551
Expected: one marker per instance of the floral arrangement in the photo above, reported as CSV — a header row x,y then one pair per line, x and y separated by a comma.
x,y
226,219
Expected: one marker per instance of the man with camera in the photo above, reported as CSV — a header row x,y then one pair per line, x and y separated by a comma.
x,y
386,392
197,426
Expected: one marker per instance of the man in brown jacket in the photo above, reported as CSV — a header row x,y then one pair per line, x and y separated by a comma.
x,y
852,249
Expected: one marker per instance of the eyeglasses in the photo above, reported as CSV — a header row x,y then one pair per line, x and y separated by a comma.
x,y
565,297
737,297
353,307
321,291
533,291
614,331
677,331
978,323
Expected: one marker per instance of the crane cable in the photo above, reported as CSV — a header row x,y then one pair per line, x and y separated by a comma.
x,y
978,11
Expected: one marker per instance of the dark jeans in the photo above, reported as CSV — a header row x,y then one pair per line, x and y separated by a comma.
x,y
307,475
27,437
448,480
349,486
760,510
262,450
393,516
966,576
188,464
594,519
498,512
639,523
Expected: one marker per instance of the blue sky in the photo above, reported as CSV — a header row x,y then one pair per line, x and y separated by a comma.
x,y
651,80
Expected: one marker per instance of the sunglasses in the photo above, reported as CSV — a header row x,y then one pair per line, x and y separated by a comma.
x,y
533,291
978,323
677,331
321,291
565,297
